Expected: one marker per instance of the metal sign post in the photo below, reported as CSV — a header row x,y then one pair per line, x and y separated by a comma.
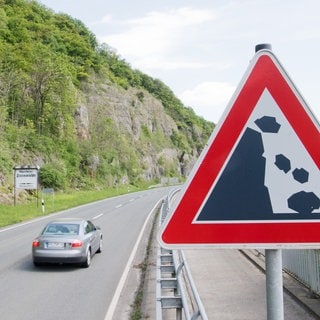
x,y
274,284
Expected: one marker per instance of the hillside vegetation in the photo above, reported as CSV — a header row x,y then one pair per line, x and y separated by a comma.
x,y
73,107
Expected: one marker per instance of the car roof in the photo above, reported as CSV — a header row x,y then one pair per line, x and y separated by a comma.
x,y
68,220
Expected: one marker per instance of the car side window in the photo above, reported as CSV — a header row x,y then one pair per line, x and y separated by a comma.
x,y
89,227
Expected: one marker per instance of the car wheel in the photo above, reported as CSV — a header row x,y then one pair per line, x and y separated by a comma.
x,y
100,246
87,263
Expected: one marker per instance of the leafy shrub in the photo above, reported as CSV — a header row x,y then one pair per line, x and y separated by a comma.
x,y
51,177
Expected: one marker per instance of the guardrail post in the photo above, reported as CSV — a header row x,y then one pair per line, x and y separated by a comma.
x,y
179,314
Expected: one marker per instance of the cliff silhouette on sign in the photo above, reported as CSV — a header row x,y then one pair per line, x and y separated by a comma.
x,y
240,193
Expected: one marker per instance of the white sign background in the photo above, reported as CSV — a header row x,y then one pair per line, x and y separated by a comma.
x,y
26,178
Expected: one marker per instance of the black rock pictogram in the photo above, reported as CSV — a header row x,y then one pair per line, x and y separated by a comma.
x,y
268,124
283,163
304,202
300,175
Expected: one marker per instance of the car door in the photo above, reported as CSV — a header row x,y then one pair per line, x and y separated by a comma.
x,y
90,232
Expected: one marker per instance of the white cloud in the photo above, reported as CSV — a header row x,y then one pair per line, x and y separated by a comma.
x,y
106,19
150,39
208,99
155,63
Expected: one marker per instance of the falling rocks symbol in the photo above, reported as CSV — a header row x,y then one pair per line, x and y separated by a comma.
x,y
240,193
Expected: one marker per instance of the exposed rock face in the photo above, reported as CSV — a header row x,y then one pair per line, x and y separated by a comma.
x,y
133,111
82,122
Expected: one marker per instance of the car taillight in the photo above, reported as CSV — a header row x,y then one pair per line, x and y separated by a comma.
x,y
76,244
36,243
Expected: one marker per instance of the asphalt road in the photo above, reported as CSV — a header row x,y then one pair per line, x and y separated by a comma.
x,y
70,292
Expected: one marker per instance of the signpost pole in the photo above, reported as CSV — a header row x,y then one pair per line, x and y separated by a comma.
x,y
14,190
274,284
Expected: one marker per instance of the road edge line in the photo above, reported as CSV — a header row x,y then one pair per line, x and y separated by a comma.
x,y
116,296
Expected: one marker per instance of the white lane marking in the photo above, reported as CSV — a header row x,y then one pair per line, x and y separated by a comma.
x,y
118,206
98,216
116,296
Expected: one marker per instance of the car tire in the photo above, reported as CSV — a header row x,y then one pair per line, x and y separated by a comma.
x,y
87,263
100,246
37,264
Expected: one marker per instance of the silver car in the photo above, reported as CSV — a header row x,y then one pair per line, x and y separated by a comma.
x,y
67,241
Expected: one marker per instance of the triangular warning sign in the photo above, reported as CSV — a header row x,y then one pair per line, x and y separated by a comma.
x,y
258,182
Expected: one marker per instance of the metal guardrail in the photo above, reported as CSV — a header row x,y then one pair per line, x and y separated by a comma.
x,y
177,296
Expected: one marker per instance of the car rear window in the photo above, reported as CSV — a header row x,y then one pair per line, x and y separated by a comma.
x,y
61,228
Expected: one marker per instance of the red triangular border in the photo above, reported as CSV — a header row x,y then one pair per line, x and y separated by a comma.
x,y
264,72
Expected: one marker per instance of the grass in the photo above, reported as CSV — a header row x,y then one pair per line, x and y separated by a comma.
x,y
10,214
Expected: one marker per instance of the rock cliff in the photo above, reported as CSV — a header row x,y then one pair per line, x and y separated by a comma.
x,y
134,113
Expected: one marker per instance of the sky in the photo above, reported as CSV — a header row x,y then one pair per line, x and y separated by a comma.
x,y
201,48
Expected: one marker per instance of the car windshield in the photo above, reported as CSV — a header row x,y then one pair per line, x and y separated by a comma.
x,y
61,229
